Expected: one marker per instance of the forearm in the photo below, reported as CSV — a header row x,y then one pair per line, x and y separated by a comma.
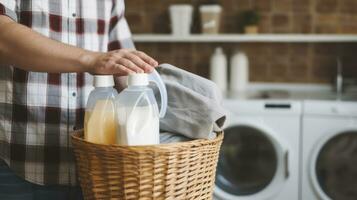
x,y
26,49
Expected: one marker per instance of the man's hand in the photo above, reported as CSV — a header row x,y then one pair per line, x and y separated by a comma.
x,y
119,62
28,50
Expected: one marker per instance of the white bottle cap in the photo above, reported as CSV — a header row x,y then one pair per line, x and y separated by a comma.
x,y
140,79
219,50
103,81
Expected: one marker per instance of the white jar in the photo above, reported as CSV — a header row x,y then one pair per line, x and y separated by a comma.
x,y
218,69
181,19
239,76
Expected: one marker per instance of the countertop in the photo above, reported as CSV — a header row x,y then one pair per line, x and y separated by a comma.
x,y
293,92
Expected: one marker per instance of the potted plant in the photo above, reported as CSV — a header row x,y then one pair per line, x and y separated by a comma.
x,y
250,21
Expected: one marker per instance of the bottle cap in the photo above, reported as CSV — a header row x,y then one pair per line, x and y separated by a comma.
x,y
219,50
140,79
103,81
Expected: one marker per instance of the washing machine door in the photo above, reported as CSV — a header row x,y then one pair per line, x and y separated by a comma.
x,y
333,165
253,163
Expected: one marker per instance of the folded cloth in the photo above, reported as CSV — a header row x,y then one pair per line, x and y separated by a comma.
x,y
194,105
166,137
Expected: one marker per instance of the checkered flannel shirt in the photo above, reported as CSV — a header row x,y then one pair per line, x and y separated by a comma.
x,y
39,110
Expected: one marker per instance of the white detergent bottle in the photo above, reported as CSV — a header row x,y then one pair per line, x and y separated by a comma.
x,y
99,119
239,72
218,69
137,113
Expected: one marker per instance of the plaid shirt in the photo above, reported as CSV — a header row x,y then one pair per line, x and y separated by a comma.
x,y
39,110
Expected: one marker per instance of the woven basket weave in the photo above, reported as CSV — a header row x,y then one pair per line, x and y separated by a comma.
x,y
176,171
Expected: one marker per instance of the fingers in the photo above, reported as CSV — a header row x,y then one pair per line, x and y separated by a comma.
x,y
139,62
140,59
146,58
111,67
121,70
130,64
124,62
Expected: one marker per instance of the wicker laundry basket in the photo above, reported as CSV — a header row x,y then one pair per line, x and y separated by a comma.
x,y
176,171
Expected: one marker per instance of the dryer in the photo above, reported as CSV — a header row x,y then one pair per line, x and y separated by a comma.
x,y
260,152
329,156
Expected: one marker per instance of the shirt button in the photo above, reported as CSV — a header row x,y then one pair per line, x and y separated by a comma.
x,y
74,94
74,14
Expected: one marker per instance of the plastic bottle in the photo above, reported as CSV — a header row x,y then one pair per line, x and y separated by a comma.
x,y
239,78
218,69
99,119
137,113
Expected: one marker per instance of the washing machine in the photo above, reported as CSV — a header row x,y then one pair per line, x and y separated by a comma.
x,y
260,152
329,150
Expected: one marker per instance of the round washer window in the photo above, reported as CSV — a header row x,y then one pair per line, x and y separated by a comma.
x,y
247,162
336,166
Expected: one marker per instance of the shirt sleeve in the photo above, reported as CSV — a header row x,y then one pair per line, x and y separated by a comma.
x,y
8,8
119,31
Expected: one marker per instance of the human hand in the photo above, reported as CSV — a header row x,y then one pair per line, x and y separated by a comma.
x,y
120,62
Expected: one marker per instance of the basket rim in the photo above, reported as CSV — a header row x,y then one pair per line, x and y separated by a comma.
x,y
78,136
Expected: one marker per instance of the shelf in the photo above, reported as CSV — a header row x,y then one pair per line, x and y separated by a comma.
x,y
226,38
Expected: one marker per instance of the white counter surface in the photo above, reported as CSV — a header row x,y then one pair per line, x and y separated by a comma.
x,y
292,92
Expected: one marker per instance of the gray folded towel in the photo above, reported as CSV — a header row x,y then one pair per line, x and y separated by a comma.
x,y
166,137
194,105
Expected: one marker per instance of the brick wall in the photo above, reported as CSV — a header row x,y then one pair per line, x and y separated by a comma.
x,y
270,62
